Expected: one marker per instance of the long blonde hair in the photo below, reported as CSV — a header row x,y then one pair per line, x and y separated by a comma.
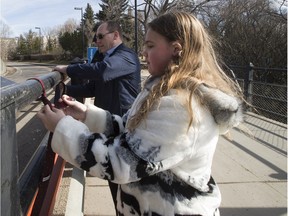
x,y
196,64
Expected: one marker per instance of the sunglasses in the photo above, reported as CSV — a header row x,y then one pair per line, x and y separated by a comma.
x,y
101,36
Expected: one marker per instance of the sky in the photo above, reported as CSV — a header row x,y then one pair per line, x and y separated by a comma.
x,y
21,15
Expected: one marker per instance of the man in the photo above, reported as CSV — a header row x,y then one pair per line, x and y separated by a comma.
x,y
114,80
114,75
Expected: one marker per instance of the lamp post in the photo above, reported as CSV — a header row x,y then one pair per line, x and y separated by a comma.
x,y
136,29
82,22
17,41
40,44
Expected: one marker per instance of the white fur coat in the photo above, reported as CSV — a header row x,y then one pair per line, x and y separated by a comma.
x,y
162,168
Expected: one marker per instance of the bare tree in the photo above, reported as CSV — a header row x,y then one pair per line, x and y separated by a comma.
x,y
69,26
281,8
150,9
245,31
5,30
248,31
6,44
50,41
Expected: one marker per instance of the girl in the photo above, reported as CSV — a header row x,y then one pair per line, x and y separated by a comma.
x,y
160,153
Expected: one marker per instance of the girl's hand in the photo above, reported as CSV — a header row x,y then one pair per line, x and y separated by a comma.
x,y
74,108
50,118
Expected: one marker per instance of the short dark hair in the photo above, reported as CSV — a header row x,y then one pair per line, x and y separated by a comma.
x,y
114,26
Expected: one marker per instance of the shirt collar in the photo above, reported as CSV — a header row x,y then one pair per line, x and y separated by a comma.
x,y
110,51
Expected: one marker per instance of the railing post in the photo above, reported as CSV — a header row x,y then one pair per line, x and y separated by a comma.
x,y
248,82
10,197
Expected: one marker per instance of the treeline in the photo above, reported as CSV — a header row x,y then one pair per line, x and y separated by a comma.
x,y
245,31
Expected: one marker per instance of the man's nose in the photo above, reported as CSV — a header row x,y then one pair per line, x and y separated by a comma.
x,y
144,53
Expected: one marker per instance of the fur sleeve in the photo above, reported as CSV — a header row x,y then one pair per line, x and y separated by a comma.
x,y
101,121
160,143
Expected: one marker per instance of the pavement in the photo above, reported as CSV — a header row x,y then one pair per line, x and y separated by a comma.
x,y
251,172
249,167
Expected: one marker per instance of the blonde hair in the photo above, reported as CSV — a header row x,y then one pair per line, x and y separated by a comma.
x,y
196,64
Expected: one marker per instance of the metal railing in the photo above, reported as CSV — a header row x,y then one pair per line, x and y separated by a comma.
x,y
265,89
15,97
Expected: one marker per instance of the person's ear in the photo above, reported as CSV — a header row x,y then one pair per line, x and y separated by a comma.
x,y
116,35
177,48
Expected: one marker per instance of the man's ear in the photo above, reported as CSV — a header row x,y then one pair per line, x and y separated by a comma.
x,y
116,35
177,48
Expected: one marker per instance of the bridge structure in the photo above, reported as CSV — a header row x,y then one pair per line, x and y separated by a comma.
x,y
250,164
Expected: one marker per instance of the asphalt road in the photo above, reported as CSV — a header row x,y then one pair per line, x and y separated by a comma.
x,y
25,70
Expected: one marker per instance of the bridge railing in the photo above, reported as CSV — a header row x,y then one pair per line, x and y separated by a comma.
x,y
265,89
15,97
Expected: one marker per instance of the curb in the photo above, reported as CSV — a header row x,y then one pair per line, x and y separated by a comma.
x,y
75,201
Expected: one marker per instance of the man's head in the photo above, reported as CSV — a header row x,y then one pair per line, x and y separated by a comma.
x,y
108,35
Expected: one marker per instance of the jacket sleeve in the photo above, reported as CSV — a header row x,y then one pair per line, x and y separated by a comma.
x,y
86,90
163,141
102,121
156,146
119,63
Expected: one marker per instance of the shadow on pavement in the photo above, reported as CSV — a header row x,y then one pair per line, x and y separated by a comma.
x,y
253,211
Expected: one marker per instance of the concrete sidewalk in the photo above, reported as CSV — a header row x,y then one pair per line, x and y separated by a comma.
x,y
251,173
251,176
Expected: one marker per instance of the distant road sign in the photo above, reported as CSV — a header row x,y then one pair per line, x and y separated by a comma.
x,y
90,53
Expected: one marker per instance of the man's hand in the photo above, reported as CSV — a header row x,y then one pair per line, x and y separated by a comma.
x,y
61,69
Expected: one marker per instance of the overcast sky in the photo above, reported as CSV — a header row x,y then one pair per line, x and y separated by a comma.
x,y
23,15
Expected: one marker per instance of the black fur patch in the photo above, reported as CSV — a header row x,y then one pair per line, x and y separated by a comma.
x,y
88,155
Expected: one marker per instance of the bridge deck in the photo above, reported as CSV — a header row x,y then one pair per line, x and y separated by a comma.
x,y
251,172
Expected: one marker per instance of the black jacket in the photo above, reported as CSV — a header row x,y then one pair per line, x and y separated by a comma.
x,y
114,81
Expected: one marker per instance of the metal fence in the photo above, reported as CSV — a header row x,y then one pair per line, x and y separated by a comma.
x,y
13,188
265,89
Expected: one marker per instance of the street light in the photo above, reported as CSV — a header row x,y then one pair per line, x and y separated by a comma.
x,y
136,29
80,8
40,44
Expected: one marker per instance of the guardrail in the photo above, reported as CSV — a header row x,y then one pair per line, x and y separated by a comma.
x,y
265,89
15,97
16,189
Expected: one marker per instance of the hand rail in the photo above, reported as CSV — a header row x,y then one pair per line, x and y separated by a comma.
x,y
16,97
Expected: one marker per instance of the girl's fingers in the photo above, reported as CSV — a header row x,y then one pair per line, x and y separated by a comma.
x,y
68,100
43,111
46,108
